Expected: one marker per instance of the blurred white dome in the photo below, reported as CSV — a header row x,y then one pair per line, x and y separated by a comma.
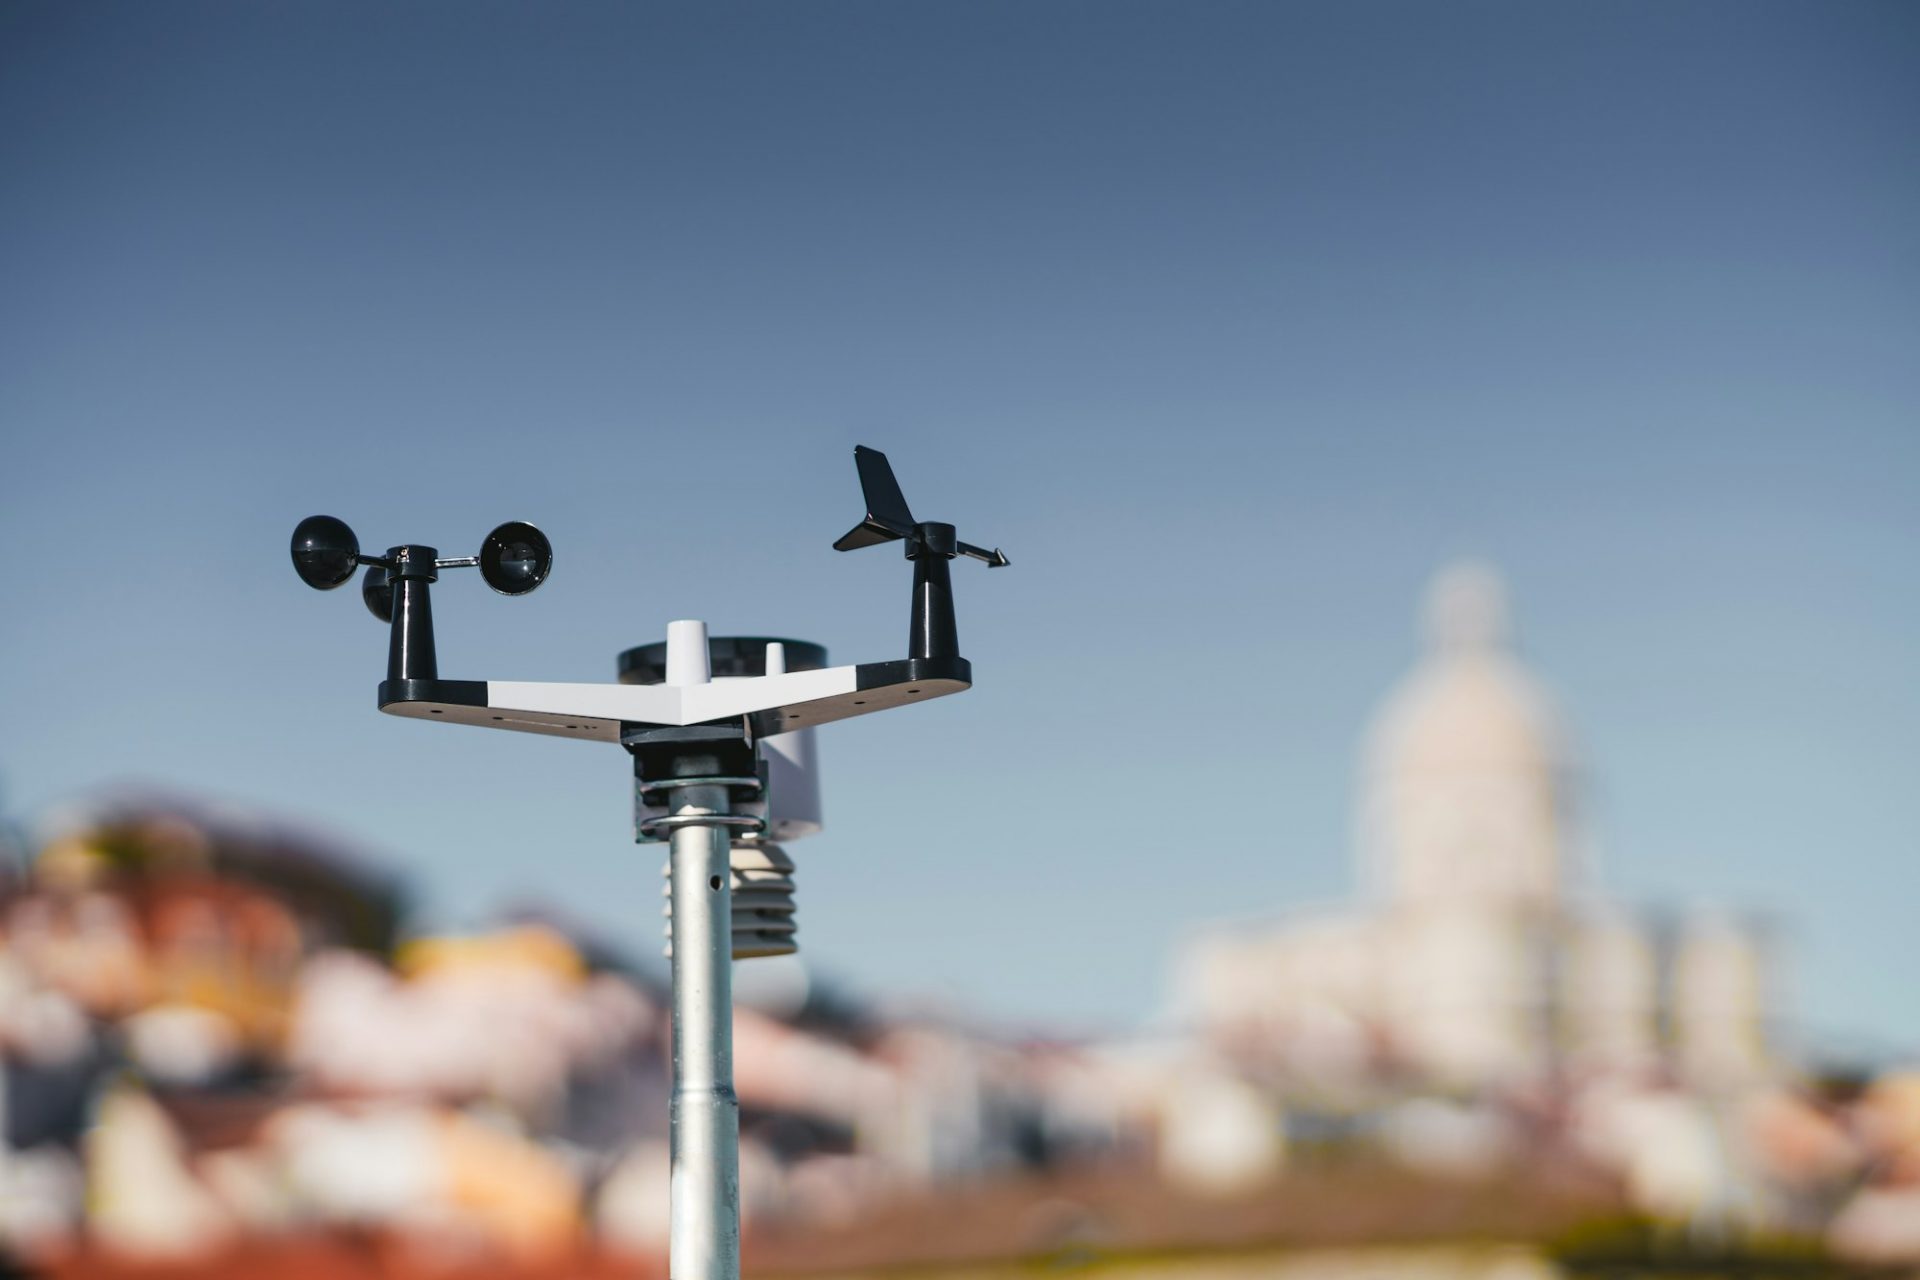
x,y
1465,767
1469,706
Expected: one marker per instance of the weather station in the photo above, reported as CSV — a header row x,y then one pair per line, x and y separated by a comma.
x,y
720,732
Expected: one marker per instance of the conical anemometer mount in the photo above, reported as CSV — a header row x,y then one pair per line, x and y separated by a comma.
x,y
930,544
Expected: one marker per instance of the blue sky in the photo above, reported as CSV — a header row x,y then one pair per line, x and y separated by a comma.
x,y
1230,322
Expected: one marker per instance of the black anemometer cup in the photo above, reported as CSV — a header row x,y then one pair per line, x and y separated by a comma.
x,y
376,588
325,552
515,558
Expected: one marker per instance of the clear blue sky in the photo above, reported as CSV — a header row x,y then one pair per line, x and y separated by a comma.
x,y
1229,322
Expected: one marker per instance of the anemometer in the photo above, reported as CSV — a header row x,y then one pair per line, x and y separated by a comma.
x,y
720,731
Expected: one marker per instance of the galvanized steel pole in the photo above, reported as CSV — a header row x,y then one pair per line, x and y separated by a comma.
x,y
706,1115
705,1239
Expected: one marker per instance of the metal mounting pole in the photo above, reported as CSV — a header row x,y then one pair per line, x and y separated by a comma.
x,y
705,1239
706,1114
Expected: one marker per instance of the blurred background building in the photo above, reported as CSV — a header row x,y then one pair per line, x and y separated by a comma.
x,y
1486,955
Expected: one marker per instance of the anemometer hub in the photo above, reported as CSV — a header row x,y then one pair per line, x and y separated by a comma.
x,y
720,733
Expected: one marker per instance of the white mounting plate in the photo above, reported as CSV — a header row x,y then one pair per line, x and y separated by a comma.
x,y
770,704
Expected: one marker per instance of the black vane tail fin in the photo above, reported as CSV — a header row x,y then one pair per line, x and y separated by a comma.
x,y
888,516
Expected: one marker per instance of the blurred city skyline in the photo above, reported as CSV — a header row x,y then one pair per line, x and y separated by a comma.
x,y
1230,325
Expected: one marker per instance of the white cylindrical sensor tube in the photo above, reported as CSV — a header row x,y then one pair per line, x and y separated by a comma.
x,y
687,660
